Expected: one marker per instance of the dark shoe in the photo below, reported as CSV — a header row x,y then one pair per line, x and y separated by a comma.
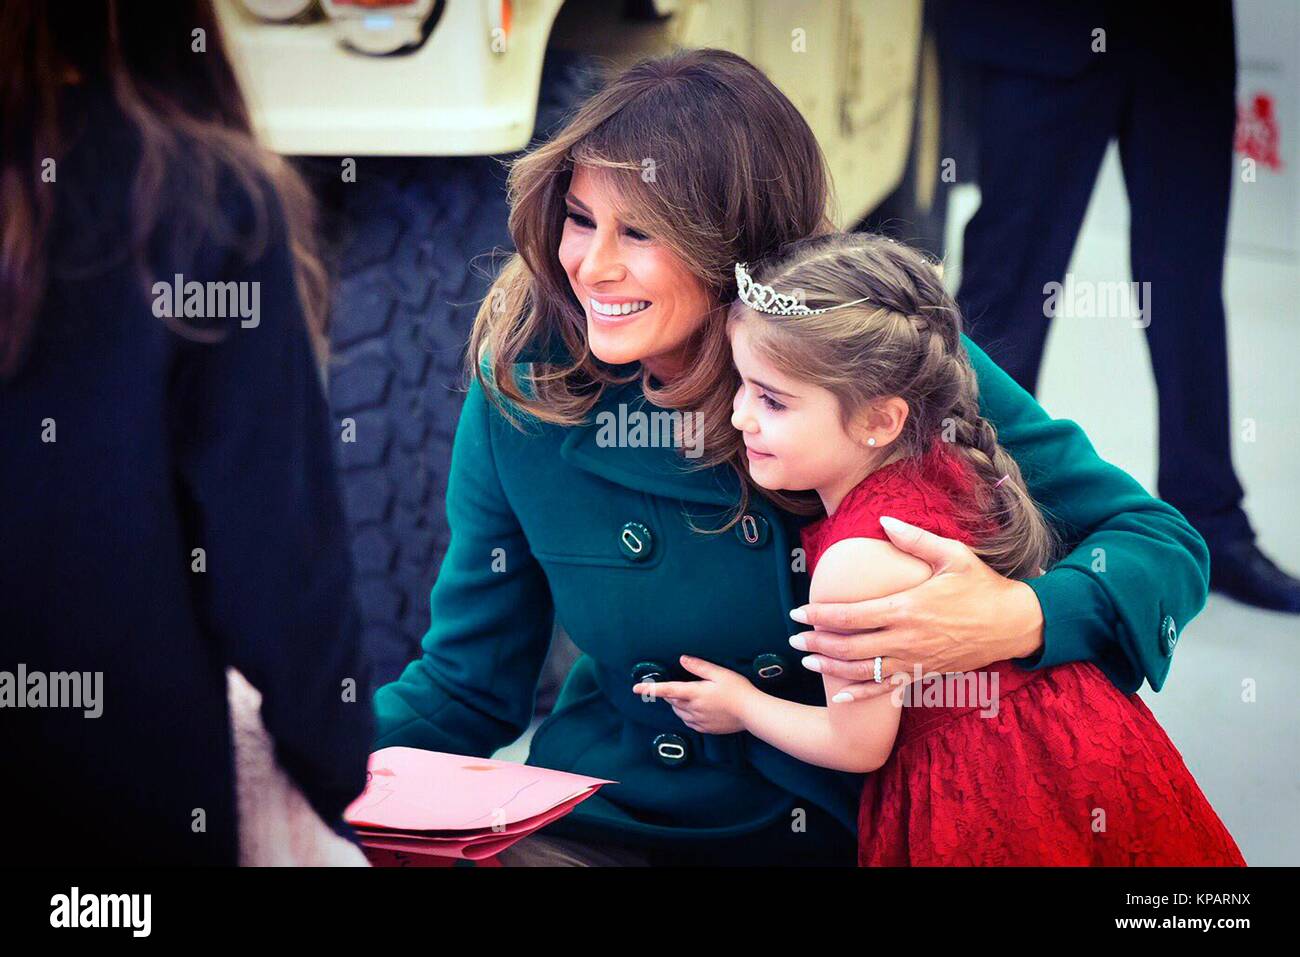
x,y
1241,571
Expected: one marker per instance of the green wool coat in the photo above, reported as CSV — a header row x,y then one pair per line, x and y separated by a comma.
x,y
554,520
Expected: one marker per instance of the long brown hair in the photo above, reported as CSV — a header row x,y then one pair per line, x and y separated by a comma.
x,y
904,341
186,111
708,158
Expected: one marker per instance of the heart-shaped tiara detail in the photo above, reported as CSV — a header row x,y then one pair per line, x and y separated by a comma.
x,y
765,299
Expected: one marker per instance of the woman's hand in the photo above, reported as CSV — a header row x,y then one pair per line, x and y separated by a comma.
x,y
712,705
965,617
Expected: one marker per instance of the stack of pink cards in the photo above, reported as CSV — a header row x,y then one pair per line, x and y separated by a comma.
x,y
426,807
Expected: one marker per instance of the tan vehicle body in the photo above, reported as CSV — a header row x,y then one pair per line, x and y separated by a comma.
x,y
851,66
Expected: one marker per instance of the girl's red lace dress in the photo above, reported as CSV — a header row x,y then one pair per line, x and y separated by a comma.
x,y
1068,771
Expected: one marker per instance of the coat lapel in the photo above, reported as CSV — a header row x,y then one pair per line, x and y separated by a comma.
x,y
664,471
661,470
657,470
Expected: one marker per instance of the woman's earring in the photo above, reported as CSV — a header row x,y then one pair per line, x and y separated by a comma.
x,y
871,440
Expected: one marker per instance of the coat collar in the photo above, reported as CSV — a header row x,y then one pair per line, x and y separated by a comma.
x,y
662,471
655,470
665,472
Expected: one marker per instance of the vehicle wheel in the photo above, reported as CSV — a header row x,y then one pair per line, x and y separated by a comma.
x,y
416,238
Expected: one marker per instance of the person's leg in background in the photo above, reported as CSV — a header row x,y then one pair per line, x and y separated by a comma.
x,y
1176,145
1041,142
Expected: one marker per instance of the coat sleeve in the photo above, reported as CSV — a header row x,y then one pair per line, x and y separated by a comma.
x,y
1134,566
472,690
254,450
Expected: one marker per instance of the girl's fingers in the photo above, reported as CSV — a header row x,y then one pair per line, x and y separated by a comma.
x,y
701,668
664,689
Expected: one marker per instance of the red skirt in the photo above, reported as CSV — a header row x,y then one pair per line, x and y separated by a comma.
x,y
1070,771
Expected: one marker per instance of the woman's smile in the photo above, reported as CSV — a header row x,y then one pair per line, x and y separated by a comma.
x,y
615,310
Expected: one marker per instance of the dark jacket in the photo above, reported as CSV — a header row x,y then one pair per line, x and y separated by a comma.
x,y
1061,38
1053,38
124,447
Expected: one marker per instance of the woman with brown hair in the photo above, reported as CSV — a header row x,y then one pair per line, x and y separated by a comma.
x,y
592,475
170,503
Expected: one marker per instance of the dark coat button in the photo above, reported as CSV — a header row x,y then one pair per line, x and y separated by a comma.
x,y
752,529
769,667
635,541
671,750
1168,635
649,671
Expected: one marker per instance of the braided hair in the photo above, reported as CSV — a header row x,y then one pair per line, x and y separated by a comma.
x,y
905,341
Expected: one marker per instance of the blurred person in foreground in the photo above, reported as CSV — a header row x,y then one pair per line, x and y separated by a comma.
x,y
170,507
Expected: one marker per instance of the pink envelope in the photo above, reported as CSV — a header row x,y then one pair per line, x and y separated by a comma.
x,y
468,850
410,789
525,826
382,857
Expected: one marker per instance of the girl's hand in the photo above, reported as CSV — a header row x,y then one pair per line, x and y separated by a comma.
x,y
964,618
712,705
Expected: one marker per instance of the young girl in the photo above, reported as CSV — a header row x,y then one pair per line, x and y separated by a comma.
x,y
855,384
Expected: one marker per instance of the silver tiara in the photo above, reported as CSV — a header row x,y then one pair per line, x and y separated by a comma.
x,y
765,299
